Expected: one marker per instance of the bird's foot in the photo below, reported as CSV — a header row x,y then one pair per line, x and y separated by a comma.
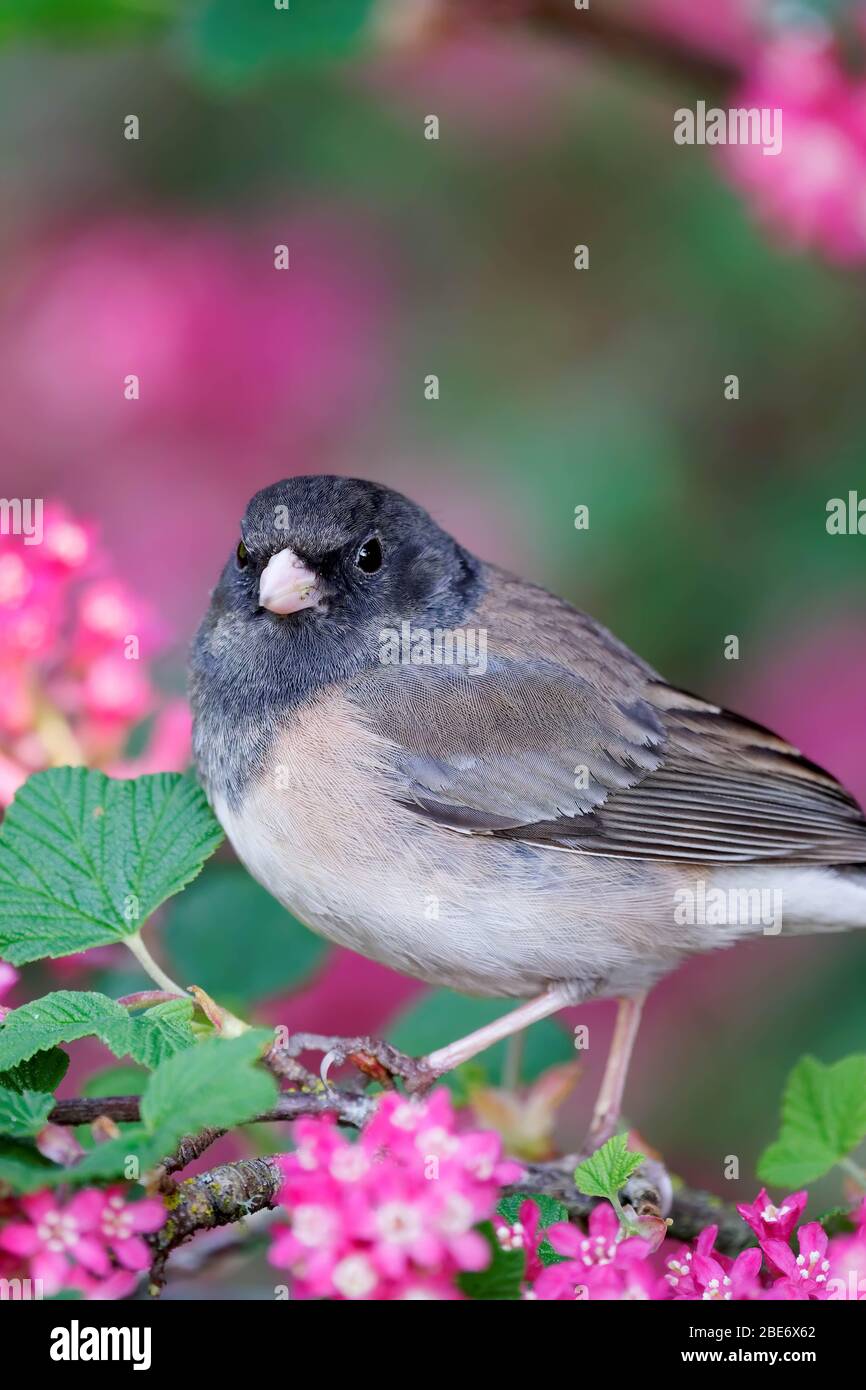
x,y
384,1063
373,1057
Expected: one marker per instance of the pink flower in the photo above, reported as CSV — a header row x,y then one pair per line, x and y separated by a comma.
x,y
120,1283
8,977
56,1239
70,1245
392,1215
121,1224
773,1222
813,191
599,1264
221,341
526,1235
847,1255
724,1281
75,652
679,1262
804,1275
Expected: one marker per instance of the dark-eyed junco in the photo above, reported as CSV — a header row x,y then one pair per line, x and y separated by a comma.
x,y
448,769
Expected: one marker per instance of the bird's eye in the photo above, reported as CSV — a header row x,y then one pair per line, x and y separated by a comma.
x,y
242,555
369,557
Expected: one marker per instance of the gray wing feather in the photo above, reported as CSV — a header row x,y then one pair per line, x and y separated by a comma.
x,y
583,747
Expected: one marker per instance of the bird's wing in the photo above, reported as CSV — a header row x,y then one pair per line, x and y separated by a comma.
x,y
517,746
607,759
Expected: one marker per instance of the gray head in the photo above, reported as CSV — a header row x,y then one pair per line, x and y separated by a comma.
x,y
322,565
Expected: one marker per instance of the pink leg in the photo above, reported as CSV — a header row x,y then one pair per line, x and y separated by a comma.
x,y
447,1058
605,1116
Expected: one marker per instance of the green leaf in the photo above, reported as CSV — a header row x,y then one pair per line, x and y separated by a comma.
x,y
66,1015
217,1085
550,1212
441,1015
233,39
208,932
837,1222
549,1209
24,1113
44,1071
85,859
23,1169
823,1120
608,1169
502,1278
161,1032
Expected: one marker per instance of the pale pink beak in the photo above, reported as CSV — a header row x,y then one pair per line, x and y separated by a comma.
x,y
286,585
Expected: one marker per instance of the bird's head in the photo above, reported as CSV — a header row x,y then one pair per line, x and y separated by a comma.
x,y
322,565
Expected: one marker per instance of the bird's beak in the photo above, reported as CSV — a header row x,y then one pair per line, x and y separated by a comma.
x,y
287,585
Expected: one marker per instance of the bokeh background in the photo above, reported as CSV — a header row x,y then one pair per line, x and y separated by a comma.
x,y
558,387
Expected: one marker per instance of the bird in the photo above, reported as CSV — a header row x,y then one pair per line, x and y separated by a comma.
x,y
446,768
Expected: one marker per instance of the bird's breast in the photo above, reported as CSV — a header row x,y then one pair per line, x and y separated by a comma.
x,y
320,828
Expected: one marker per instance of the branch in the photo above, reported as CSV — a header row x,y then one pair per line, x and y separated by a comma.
x,y
690,1210
216,1198
349,1109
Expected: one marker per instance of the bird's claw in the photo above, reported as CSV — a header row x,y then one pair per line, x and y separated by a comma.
x,y
373,1057
384,1063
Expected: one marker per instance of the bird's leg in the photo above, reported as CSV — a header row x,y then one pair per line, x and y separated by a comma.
x,y
447,1058
383,1062
605,1116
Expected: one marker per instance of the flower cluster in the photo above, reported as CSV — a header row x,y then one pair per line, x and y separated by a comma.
x,y
75,645
813,192
393,1214
91,1243
607,1262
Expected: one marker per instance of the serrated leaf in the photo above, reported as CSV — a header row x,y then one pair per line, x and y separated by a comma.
x,y
24,1113
549,1209
216,1085
67,1015
823,1120
550,1212
161,1031
608,1169
207,934
42,1072
502,1278
85,859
